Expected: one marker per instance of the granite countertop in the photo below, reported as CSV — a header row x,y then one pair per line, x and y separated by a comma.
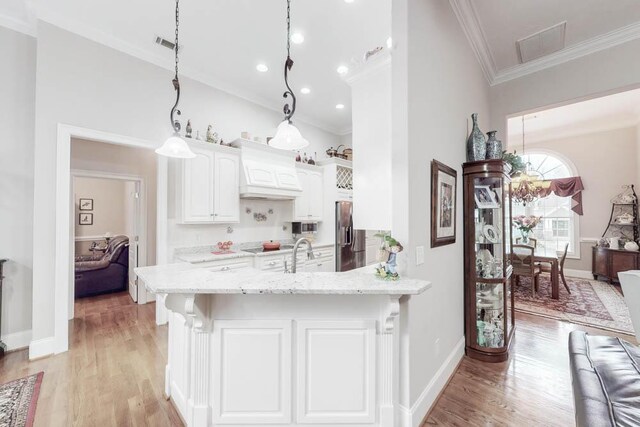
x,y
185,278
201,255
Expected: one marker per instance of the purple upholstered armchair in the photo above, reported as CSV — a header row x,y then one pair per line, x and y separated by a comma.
x,y
101,274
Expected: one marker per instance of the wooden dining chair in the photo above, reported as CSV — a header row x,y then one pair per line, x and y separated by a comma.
x,y
532,242
524,264
546,268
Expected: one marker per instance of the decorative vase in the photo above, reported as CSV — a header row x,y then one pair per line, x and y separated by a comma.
x,y
494,146
525,237
476,143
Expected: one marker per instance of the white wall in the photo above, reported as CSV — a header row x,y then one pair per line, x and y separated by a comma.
x,y
605,161
437,84
109,158
17,112
108,197
607,71
82,83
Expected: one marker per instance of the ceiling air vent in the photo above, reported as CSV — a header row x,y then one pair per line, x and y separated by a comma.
x,y
542,43
165,43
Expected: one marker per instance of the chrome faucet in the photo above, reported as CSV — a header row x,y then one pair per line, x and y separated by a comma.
x,y
310,255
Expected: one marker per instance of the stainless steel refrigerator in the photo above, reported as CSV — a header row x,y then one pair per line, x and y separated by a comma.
x,y
350,244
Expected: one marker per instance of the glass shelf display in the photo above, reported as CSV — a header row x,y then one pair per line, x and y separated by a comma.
x,y
489,315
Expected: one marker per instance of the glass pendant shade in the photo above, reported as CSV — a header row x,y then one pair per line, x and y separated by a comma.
x,y
288,137
175,147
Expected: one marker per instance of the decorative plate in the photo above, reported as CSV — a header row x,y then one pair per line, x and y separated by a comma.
x,y
491,233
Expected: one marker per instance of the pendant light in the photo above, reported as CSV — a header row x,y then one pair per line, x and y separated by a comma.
x,y
528,186
288,137
175,146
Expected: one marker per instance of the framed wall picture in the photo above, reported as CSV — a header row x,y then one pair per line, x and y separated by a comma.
x,y
85,218
443,204
485,197
85,204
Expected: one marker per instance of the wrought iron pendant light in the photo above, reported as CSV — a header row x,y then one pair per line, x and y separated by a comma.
x,y
175,146
528,186
288,137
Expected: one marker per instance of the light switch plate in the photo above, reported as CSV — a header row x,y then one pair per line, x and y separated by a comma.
x,y
419,255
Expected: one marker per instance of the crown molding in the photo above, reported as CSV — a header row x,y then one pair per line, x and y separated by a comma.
x,y
468,18
167,63
20,26
578,50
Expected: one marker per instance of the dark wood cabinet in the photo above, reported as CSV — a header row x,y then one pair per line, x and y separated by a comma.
x,y
607,263
489,298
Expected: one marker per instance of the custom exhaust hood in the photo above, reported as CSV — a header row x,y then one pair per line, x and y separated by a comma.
x,y
267,173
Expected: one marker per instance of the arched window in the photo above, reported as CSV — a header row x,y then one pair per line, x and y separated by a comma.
x,y
559,224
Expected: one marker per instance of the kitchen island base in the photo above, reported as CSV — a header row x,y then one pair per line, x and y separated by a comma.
x,y
284,360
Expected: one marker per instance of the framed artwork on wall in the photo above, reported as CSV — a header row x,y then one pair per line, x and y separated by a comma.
x,y
443,204
85,219
86,204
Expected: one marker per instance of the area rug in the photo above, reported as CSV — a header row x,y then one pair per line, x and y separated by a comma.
x,y
591,303
18,401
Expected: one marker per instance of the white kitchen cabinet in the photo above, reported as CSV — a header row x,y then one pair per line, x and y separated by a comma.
x,y
209,187
308,206
226,196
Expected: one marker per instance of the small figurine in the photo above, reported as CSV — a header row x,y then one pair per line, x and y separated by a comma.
x,y
216,138
311,161
210,134
198,137
387,269
298,158
222,142
189,129
305,159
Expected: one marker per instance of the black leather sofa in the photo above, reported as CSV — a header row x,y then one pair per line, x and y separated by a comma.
x,y
605,373
106,273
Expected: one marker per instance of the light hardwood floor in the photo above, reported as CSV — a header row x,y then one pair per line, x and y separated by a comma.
x,y
113,374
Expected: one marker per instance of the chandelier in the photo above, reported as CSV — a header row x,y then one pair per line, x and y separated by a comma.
x,y
288,136
529,185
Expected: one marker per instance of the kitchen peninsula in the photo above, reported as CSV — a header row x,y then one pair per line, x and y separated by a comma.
x,y
249,347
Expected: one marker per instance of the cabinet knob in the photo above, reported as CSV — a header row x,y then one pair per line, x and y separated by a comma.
x,y
215,214
272,263
225,268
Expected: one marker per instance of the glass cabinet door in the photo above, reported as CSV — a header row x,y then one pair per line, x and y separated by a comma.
x,y
490,245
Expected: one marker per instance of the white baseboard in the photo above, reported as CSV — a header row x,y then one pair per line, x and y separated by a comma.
x,y
427,398
17,340
41,348
581,274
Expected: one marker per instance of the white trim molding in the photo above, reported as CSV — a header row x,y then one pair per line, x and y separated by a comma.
x,y
421,407
581,274
63,272
468,19
41,348
17,340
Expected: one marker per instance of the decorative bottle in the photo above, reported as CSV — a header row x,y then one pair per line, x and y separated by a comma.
x,y
494,146
476,143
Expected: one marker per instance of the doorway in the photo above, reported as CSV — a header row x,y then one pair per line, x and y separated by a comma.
x,y
109,233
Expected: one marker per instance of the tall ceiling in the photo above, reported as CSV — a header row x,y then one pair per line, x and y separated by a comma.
x,y
494,26
619,110
223,41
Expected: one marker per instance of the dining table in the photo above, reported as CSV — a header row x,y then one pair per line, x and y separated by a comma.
x,y
550,256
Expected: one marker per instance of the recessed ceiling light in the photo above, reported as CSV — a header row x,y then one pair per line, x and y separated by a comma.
x,y
389,43
343,69
297,38
340,106
305,91
262,68
348,1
